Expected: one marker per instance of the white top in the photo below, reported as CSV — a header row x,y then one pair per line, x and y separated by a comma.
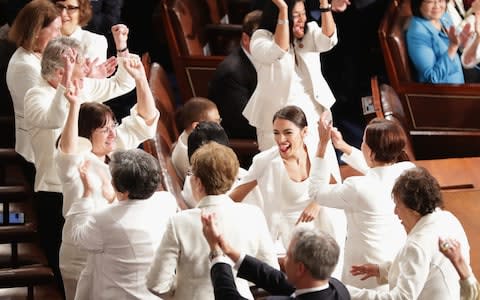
x,y
23,73
130,134
121,242
420,271
46,110
181,264
275,67
284,200
94,45
374,232
180,156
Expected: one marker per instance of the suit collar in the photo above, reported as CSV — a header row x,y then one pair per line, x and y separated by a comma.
x,y
214,200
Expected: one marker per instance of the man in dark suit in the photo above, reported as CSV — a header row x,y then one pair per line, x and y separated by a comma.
x,y
234,82
311,258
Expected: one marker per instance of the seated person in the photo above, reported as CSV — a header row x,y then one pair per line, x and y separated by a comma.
x,y
196,109
469,287
203,133
234,81
180,269
433,43
311,258
121,239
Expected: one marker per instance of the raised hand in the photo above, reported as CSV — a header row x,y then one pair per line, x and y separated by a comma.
x,y
340,5
367,270
69,57
87,185
103,70
120,36
280,3
72,92
134,67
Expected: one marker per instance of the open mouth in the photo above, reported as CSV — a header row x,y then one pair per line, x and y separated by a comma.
x,y
284,147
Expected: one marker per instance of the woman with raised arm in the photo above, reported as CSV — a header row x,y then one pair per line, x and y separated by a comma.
x,y
374,233
91,134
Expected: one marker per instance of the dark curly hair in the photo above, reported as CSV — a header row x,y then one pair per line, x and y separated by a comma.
x,y
418,190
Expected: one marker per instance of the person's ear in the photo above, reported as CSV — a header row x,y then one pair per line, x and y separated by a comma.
x,y
245,41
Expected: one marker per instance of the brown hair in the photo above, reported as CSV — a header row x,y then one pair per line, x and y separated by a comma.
x,y
251,22
216,166
84,11
418,190
387,141
194,110
35,16
293,114
93,115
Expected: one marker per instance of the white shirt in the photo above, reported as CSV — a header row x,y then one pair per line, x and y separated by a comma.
x,y
180,156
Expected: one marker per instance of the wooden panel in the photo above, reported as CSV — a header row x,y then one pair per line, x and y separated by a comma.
x,y
465,205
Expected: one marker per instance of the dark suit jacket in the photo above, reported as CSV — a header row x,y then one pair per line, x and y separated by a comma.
x,y
269,279
230,88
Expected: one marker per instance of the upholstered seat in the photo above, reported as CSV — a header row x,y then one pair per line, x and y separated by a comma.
x,y
441,119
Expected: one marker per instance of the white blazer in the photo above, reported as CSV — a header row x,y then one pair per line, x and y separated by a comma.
x,y
121,242
374,232
181,266
275,67
95,45
420,271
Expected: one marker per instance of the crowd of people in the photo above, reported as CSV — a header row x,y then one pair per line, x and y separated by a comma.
x,y
289,223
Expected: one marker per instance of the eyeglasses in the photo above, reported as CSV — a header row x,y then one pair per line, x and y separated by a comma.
x,y
433,2
108,129
70,8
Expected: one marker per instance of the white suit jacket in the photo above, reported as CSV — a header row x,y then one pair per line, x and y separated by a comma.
x,y
95,45
420,271
23,73
46,110
121,241
181,266
274,73
374,232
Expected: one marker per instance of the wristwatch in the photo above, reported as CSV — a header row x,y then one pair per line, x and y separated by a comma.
x,y
215,253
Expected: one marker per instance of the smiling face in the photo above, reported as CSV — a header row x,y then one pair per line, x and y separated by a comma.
x,y
103,138
299,16
70,13
433,9
288,137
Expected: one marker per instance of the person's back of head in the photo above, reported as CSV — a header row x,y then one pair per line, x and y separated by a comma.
x,y
206,132
135,172
387,141
251,22
32,18
52,59
195,110
317,250
216,166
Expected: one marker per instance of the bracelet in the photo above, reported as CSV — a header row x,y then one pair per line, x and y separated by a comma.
x,y
282,22
215,253
326,9
122,50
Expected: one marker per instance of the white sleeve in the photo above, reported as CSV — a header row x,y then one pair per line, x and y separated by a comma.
x,y
43,113
85,230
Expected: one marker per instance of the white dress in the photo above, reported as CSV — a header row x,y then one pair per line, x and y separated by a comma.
x,y
374,232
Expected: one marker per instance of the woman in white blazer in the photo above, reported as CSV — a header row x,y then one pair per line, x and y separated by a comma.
x,y
282,174
286,52
374,233
121,239
419,271
181,268
90,134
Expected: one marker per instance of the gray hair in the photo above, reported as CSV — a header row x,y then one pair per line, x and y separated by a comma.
x,y
52,55
317,250
136,172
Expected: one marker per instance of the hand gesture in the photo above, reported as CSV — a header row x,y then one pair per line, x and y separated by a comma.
x,y
460,39
72,92
280,3
341,5
450,248
337,138
134,67
368,270
210,230
325,127
108,192
103,70
69,57
120,35
309,213
87,185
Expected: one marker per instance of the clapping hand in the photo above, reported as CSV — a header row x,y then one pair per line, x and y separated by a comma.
x,y
87,184
103,70
459,40
69,57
